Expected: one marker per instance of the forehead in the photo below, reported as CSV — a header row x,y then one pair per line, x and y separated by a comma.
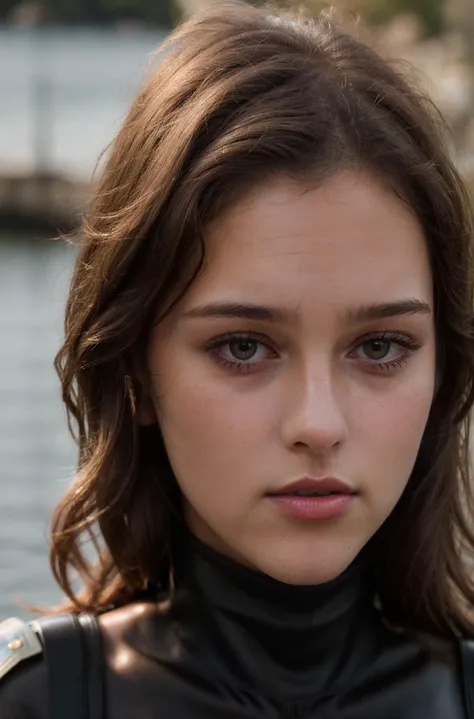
x,y
346,241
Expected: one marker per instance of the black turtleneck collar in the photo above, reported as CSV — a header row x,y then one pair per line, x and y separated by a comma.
x,y
262,633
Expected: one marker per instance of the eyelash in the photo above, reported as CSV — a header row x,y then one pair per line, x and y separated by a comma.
x,y
395,337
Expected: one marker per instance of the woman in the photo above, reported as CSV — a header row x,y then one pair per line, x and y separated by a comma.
x,y
269,359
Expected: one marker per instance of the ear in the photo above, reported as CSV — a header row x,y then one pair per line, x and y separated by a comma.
x,y
145,408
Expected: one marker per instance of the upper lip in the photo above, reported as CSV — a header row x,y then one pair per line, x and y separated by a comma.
x,y
308,484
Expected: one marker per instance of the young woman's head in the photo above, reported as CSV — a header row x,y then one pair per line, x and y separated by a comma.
x,y
275,285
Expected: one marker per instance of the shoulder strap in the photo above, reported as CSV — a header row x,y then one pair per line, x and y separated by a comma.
x,y
92,642
18,642
467,671
72,651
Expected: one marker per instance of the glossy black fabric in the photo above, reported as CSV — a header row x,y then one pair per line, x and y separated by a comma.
x,y
236,644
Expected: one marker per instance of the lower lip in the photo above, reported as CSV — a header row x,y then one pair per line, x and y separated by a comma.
x,y
313,508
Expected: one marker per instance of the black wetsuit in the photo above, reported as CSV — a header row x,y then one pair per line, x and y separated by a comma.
x,y
235,644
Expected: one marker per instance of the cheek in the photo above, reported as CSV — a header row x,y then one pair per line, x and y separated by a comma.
x,y
389,432
221,428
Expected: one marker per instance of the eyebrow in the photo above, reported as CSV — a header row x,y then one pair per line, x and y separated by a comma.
x,y
410,306
242,311
264,313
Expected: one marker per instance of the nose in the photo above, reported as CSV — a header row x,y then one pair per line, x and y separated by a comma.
x,y
315,414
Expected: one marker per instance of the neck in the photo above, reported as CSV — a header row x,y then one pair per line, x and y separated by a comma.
x,y
268,633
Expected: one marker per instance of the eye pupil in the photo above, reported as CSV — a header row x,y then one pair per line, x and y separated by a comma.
x,y
377,349
243,349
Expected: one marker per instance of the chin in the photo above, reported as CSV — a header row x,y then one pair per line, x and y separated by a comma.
x,y
290,570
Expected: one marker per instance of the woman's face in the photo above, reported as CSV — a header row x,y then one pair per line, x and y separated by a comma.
x,y
304,351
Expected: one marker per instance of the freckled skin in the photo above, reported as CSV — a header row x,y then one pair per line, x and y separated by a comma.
x,y
309,396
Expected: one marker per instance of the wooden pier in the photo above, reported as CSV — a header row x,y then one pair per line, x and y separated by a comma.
x,y
43,202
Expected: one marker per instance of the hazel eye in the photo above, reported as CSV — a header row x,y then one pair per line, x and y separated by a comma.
x,y
241,352
377,348
385,352
243,349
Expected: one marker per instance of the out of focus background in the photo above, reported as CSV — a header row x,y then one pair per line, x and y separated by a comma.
x,y
68,72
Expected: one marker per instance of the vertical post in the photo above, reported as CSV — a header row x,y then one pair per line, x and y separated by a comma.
x,y
42,116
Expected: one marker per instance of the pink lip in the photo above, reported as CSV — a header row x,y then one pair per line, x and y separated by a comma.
x,y
316,507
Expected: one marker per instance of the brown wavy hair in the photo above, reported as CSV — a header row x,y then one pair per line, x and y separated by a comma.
x,y
240,95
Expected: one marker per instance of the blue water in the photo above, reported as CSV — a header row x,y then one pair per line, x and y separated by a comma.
x,y
86,80
37,457
78,84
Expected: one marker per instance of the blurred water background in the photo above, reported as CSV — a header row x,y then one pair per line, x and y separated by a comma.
x,y
63,92
91,77
77,83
